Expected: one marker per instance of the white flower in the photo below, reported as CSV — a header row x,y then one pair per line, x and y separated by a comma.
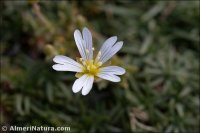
x,y
88,68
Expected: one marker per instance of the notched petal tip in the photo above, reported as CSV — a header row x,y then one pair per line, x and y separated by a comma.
x,y
74,90
57,58
77,86
117,80
113,37
122,72
84,94
55,67
120,43
77,34
76,31
86,29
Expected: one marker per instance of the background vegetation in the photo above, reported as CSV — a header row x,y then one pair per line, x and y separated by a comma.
x,y
159,92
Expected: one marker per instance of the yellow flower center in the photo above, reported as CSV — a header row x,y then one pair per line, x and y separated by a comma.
x,y
89,67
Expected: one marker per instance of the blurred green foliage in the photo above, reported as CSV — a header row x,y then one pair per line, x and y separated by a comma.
x,y
159,92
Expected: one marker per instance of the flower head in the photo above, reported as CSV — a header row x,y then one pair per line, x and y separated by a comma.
x,y
88,68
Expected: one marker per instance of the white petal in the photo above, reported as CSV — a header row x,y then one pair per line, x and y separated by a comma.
x,y
65,60
88,85
87,36
85,83
79,43
108,44
113,70
108,76
66,67
112,52
79,83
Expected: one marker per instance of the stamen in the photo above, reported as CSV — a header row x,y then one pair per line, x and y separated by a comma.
x,y
99,54
91,67
93,49
84,63
88,67
98,57
94,67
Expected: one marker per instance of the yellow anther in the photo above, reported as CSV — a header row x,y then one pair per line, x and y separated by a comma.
x,y
93,49
84,63
94,67
88,67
